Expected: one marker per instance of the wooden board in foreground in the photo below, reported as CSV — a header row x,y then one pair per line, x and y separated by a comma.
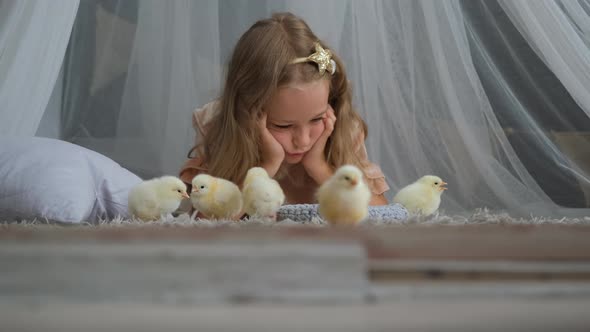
x,y
470,242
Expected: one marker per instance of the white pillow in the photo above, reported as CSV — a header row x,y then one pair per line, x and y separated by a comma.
x,y
50,179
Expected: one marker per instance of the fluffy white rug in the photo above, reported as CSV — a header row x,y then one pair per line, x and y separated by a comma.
x,y
481,216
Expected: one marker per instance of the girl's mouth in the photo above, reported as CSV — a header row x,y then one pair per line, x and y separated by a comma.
x,y
295,155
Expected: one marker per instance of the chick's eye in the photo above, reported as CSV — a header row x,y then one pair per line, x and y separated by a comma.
x,y
178,190
347,178
436,183
202,187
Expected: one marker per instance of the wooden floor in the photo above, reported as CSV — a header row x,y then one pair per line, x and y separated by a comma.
x,y
464,278
408,315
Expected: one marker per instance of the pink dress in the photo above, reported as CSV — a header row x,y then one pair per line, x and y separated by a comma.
x,y
299,187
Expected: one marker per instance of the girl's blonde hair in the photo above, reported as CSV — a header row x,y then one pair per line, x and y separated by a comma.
x,y
260,64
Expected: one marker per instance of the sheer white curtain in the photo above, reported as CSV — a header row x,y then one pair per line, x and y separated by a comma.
x,y
564,46
558,32
430,82
33,39
423,99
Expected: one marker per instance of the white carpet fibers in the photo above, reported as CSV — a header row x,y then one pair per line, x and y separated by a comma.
x,y
481,216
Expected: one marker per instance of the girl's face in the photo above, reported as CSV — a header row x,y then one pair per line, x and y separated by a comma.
x,y
295,116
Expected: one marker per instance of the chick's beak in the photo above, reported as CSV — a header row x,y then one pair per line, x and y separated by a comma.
x,y
443,186
353,182
194,190
185,195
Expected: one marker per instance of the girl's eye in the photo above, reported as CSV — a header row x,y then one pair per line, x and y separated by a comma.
x,y
283,127
317,119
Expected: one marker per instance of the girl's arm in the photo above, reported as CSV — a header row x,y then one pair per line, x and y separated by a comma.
x,y
321,173
374,176
378,200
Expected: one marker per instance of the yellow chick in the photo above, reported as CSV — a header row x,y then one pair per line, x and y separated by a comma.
x,y
262,195
216,198
344,198
422,196
155,198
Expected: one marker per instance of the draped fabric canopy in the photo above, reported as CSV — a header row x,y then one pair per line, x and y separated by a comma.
x,y
33,40
489,95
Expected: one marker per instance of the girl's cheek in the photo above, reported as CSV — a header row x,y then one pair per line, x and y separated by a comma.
x,y
317,129
282,137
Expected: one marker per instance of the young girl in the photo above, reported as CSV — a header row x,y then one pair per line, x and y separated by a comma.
x,y
286,106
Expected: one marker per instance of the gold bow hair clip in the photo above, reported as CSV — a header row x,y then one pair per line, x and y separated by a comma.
x,y
322,57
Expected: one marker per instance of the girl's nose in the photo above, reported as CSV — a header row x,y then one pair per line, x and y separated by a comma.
x,y
301,138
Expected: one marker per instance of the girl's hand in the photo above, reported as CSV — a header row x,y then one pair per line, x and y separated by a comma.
x,y
272,152
314,161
